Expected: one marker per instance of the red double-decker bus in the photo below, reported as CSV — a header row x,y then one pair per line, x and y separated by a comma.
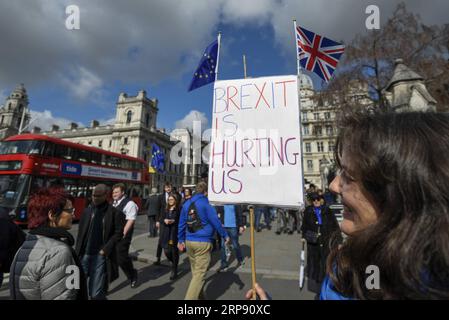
x,y
29,162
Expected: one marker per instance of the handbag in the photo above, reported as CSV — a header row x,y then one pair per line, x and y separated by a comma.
x,y
311,236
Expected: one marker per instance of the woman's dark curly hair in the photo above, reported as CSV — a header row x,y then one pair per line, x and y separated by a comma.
x,y
402,160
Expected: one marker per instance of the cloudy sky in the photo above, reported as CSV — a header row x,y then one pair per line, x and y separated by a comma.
x,y
126,46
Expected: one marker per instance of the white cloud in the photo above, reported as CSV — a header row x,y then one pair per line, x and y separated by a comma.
x,y
45,119
105,122
149,41
83,84
238,11
190,118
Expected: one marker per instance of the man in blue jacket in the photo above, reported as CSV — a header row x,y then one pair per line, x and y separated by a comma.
x,y
197,223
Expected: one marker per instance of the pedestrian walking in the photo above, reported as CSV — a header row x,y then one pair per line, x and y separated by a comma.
x,y
153,212
259,211
100,229
130,210
46,261
231,218
169,236
187,195
163,199
281,221
198,221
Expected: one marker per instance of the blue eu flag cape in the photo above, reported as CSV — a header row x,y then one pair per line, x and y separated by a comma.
x,y
158,158
205,73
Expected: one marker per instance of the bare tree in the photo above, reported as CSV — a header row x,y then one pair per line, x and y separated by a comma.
x,y
370,58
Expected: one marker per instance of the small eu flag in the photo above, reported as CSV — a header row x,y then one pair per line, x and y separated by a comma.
x,y
158,159
205,73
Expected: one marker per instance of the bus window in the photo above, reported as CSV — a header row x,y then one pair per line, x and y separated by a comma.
x,y
63,152
49,149
21,147
116,162
82,155
13,189
104,159
96,158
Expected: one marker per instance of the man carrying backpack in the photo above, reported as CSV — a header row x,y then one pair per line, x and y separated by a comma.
x,y
197,223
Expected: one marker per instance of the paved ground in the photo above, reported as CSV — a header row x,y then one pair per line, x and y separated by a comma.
x,y
277,264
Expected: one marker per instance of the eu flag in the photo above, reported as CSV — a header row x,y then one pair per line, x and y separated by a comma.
x,y
158,158
205,73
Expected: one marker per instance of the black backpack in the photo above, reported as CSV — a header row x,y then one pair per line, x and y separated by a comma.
x,y
194,222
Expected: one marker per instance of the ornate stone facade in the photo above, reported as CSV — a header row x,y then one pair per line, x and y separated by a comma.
x,y
14,114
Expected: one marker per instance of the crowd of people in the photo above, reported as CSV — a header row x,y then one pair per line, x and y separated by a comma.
x,y
392,181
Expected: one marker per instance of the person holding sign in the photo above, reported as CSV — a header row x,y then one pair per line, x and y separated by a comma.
x,y
393,180
197,224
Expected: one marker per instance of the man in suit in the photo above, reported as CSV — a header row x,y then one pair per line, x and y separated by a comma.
x,y
100,228
162,205
153,210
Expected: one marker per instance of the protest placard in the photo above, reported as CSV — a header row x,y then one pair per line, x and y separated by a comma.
x,y
255,153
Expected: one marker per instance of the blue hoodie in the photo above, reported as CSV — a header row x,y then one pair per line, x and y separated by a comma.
x,y
209,218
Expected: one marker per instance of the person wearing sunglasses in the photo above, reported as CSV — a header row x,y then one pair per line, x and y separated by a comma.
x,y
46,262
318,227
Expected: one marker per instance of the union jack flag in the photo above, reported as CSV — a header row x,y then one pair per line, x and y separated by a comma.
x,y
317,53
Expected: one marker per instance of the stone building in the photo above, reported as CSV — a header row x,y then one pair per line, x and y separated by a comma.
x,y
14,114
319,133
406,91
319,128
132,133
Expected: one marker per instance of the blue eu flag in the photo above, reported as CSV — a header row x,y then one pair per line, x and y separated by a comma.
x,y
158,158
205,73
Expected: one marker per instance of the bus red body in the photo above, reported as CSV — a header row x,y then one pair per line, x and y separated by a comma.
x,y
29,162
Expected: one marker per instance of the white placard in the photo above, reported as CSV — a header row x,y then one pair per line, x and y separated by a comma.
x,y
255,152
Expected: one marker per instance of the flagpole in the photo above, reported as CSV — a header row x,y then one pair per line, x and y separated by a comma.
x,y
244,66
298,67
218,55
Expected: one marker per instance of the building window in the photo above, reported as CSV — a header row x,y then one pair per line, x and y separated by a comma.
x,y
100,143
3,118
128,116
320,146
331,146
90,142
329,130
125,140
308,147
309,165
304,116
147,120
306,130
327,115
316,116
318,130
110,143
